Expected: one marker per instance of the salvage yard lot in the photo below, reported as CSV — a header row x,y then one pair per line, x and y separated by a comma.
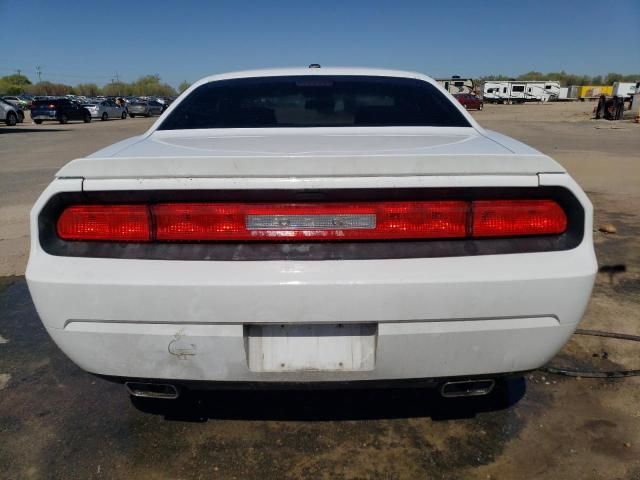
x,y
59,422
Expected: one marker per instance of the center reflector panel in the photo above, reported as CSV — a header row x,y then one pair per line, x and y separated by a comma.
x,y
330,221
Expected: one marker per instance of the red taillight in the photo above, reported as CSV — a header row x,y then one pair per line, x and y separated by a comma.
x,y
121,223
312,221
505,218
331,221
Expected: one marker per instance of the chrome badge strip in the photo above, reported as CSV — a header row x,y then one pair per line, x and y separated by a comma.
x,y
311,222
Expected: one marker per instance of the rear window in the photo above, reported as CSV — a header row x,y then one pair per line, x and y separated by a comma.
x,y
57,101
314,101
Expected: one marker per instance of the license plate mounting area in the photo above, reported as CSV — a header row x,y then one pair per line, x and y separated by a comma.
x,y
311,348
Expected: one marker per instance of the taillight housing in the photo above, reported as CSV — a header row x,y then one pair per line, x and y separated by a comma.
x,y
296,222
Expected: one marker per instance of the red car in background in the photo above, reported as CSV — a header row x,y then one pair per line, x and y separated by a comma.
x,y
469,101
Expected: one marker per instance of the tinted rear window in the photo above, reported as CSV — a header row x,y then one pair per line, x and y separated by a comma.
x,y
50,102
314,101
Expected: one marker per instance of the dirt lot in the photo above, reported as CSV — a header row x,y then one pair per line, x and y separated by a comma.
x,y
58,422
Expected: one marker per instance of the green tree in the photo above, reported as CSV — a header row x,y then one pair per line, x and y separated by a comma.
x,y
14,84
87,89
610,78
151,85
183,86
116,89
533,75
50,88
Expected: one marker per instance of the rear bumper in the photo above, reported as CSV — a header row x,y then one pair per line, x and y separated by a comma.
x,y
404,350
437,317
44,117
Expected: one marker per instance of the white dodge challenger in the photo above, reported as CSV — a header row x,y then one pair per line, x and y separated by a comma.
x,y
312,226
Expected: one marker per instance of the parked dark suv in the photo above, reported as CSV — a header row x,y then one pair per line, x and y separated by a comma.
x,y
60,109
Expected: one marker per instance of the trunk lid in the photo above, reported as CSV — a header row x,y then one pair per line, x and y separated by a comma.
x,y
318,152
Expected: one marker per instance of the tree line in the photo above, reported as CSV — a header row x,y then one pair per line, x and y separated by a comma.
x,y
147,85
152,85
567,79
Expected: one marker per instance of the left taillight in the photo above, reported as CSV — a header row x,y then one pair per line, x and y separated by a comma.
x,y
115,223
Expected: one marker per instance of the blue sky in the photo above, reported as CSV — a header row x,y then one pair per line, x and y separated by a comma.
x,y
91,41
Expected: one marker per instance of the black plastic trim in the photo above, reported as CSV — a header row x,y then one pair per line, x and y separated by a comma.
x,y
318,250
204,385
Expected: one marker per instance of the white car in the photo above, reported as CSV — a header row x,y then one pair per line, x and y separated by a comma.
x,y
312,226
105,110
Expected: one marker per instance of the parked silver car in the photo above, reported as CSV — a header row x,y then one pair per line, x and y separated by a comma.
x,y
105,110
144,108
10,114
17,101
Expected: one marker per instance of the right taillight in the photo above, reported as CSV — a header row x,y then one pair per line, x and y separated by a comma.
x,y
507,218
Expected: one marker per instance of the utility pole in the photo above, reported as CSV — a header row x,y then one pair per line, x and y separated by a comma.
x,y
19,72
118,81
39,72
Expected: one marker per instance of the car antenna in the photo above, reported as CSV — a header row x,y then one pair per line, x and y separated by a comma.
x,y
314,65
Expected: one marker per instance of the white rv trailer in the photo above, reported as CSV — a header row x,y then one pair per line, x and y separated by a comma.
x,y
520,91
625,89
455,84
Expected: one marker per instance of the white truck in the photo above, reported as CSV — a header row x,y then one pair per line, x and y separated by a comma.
x,y
520,91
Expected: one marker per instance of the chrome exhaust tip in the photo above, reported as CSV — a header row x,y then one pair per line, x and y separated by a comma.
x,y
152,390
467,388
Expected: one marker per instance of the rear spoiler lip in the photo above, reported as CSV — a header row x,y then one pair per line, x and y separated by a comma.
x,y
305,167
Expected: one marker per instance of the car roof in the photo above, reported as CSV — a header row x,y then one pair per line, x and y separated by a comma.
x,y
301,71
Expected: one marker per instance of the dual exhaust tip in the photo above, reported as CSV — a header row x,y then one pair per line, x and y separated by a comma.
x,y
163,391
454,389
467,388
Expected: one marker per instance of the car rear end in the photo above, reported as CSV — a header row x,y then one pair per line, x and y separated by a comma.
x,y
138,108
312,256
94,109
44,110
